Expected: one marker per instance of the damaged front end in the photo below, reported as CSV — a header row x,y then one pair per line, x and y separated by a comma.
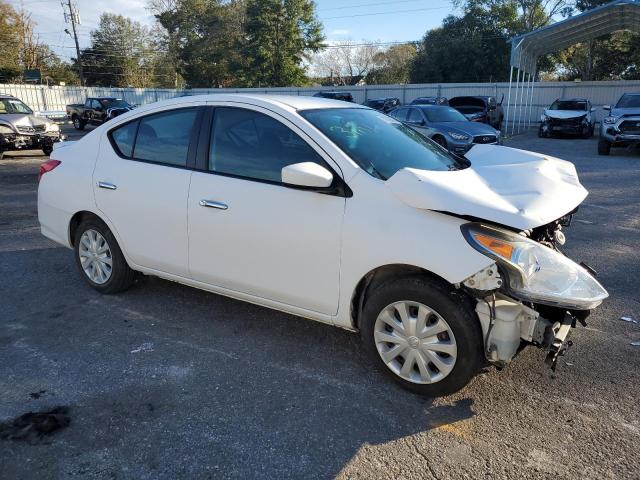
x,y
533,294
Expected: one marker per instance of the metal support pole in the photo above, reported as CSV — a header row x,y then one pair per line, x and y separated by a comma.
x,y
506,118
533,81
522,84
515,103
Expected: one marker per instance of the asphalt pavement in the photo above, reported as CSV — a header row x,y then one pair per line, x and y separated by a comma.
x,y
166,381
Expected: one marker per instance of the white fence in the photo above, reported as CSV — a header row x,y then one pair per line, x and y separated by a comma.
x,y
43,98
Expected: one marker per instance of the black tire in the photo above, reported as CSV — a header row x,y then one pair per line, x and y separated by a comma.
x,y
541,132
122,276
440,140
47,150
586,132
604,147
78,124
1,154
452,305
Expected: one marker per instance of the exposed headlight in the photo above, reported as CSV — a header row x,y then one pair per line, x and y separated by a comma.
x,y
5,129
536,273
53,127
544,118
458,136
610,120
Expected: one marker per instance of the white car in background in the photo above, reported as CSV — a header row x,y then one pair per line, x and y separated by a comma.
x,y
334,212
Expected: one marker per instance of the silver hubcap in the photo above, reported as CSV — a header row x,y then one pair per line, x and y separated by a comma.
x,y
95,256
415,342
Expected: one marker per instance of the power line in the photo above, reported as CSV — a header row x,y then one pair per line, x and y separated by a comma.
x,y
393,12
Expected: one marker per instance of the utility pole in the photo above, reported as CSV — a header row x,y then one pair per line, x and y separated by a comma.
x,y
74,17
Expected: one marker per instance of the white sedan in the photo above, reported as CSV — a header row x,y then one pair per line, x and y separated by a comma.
x,y
334,212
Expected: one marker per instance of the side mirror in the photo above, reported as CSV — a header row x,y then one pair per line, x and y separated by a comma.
x,y
307,174
606,107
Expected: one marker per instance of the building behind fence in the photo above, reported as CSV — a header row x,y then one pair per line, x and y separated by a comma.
x,y
55,98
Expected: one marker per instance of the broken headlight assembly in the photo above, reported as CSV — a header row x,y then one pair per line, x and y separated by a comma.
x,y
534,272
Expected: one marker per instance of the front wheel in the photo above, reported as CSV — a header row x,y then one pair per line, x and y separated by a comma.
x,y
604,147
424,334
99,258
78,124
47,150
440,141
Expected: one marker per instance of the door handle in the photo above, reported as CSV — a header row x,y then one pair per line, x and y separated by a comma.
x,y
107,185
212,204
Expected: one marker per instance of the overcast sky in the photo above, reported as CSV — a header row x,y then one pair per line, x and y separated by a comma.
x,y
398,20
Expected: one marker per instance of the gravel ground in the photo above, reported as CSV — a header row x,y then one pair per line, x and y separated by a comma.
x,y
165,381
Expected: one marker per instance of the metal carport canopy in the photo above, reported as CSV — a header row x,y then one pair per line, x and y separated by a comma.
x,y
527,48
617,15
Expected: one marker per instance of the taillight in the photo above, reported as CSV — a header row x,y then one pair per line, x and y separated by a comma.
x,y
47,167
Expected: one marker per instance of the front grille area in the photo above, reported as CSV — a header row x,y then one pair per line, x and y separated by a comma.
x,y
485,139
30,129
630,126
573,122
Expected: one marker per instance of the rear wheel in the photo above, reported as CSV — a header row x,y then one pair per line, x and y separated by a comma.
x,y
604,147
423,334
99,258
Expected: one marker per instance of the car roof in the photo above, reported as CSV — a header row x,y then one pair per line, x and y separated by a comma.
x,y
577,99
381,98
288,102
431,107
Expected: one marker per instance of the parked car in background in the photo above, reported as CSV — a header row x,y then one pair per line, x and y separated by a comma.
x,y
446,126
430,101
573,116
335,95
621,127
21,129
96,111
334,212
384,105
484,109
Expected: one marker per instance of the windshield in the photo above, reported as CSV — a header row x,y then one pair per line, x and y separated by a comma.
x,y
113,103
13,105
444,114
569,105
378,143
629,101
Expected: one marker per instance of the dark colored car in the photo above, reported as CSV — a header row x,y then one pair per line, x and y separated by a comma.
x,y
621,128
22,129
484,109
446,126
384,105
430,101
574,116
96,111
335,95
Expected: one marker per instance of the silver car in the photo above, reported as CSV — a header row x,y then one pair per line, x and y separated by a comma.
x,y
21,129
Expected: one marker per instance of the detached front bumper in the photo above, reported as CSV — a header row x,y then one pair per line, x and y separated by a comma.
x,y
564,126
15,141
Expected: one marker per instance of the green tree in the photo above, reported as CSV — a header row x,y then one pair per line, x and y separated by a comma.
x,y
471,48
122,54
10,38
204,39
393,66
280,35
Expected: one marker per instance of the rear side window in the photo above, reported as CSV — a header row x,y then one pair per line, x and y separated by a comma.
x,y
400,114
414,116
124,138
164,137
159,138
252,145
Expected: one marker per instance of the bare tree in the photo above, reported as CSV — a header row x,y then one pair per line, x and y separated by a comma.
x,y
346,63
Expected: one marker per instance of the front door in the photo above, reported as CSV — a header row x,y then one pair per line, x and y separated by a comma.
x,y
141,183
251,234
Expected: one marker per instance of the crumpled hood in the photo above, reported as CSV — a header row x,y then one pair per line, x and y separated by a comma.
x,y
504,185
565,114
23,119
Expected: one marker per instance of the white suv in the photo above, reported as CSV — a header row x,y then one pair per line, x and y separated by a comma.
x,y
334,212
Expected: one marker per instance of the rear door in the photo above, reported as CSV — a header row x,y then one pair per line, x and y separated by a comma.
x,y
248,232
141,184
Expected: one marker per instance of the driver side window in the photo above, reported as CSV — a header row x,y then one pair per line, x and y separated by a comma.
x,y
252,145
